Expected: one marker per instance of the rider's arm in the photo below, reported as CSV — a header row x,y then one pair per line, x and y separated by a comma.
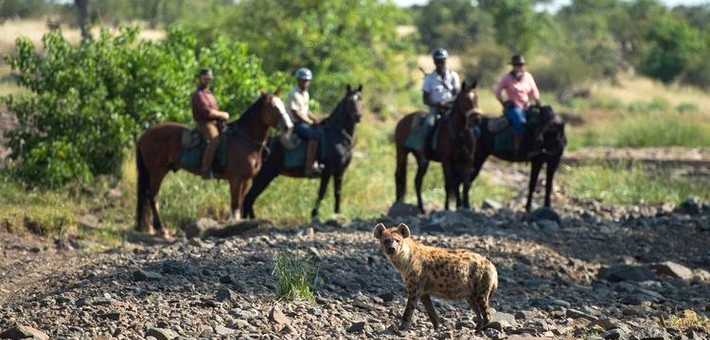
x,y
534,92
498,91
203,108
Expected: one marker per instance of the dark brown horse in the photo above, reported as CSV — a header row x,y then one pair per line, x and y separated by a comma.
x,y
159,148
454,149
545,140
339,132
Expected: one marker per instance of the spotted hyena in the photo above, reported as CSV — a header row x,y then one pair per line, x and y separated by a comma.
x,y
445,273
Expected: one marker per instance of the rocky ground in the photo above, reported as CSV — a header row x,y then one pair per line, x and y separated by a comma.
x,y
591,272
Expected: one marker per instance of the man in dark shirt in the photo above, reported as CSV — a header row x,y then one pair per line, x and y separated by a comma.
x,y
206,114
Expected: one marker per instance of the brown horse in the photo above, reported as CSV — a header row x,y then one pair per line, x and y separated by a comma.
x,y
454,149
158,152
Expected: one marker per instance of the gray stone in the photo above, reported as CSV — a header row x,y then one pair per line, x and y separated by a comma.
x,y
673,269
401,209
277,316
145,275
491,204
618,273
357,326
222,330
161,333
23,332
225,294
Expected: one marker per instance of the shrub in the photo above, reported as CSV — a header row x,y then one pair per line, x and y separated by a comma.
x,y
88,102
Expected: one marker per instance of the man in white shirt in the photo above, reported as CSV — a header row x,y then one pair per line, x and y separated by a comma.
x,y
438,92
297,107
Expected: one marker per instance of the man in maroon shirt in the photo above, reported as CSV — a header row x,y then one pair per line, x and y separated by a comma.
x,y
206,115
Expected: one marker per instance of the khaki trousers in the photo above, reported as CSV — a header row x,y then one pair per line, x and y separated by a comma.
x,y
208,130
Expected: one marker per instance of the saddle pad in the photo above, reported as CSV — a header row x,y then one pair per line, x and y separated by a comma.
x,y
498,124
296,157
503,140
192,157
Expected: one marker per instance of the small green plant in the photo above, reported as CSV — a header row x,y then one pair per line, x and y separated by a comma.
x,y
689,318
297,276
687,107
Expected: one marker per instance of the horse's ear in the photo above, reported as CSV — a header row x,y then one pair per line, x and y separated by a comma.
x,y
359,88
349,88
463,86
277,92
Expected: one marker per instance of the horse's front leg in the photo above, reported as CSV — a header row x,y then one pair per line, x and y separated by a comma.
x,y
324,178
422,167
448,183
337,186
237,190
551,168
534,174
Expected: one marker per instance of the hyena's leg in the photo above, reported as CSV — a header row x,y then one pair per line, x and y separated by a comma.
x,y
414,294
481,304
426,300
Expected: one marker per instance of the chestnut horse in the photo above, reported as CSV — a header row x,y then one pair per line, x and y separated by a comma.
x,y
158,152
454,149
339,131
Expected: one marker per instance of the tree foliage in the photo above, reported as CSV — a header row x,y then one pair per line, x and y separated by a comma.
x,y
88,102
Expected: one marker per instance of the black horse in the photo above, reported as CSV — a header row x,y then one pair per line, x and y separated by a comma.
x,y
543,142
338,130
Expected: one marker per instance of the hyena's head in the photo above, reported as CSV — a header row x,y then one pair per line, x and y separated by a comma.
x,y
391,238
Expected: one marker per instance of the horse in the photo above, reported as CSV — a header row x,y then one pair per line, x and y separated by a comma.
x,y
159,149
339,131
454,149
545,140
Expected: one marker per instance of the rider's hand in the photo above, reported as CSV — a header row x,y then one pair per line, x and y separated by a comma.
x,y
225,115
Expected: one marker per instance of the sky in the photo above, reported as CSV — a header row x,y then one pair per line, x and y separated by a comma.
x,y
669,3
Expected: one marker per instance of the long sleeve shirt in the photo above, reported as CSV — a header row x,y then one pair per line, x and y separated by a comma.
x,y
203,101
518,91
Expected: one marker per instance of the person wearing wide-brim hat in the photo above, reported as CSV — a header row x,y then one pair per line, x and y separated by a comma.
x,y
520,89
206,114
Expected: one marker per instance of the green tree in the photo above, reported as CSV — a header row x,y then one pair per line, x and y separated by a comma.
x,y
88,102
672,48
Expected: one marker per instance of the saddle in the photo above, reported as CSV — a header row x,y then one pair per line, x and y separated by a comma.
x,y
295,149
502,131
193,146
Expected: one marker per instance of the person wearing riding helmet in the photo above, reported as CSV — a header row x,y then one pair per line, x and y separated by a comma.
x,y
438,91
297,107
519,87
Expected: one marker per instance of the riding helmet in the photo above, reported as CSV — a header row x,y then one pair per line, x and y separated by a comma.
x,y
439,54
304,73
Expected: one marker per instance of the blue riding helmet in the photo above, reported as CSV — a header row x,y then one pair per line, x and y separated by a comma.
x,y
304,73
439,54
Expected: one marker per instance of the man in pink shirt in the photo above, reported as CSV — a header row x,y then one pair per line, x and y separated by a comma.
x,y
519,87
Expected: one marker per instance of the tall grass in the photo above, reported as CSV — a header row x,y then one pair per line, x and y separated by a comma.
x,y
620,184
663,130
296,276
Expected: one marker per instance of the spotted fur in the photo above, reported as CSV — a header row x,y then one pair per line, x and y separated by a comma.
x,y
445,273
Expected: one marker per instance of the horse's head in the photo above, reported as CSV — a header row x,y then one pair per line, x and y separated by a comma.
x,y
551,130
348,112
465,104
353,103
273,112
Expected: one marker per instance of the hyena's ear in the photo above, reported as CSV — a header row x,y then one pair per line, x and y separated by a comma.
x,y
404,230
379,229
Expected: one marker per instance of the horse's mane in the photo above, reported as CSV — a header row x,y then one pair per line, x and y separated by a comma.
x,y
252,110
332,116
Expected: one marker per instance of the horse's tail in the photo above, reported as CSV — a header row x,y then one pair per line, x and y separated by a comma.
x,y
142,188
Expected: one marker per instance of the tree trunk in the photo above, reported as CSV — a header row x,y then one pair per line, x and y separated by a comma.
x,y
83,7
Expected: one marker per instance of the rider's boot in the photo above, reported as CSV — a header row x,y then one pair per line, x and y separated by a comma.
x,y
208,158
312,166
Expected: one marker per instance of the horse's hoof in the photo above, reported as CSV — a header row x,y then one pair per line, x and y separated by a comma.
x,y
165,234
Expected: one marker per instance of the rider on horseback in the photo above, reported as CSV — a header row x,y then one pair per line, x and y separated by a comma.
x,y
297,106
206,114
519,85
438,91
